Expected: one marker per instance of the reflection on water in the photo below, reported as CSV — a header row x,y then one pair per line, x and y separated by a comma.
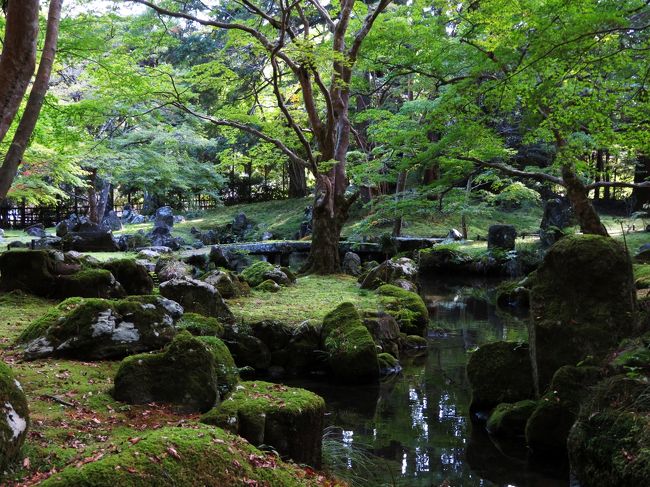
x,y
417,422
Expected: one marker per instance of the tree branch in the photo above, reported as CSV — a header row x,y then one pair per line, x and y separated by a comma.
x,y
537,176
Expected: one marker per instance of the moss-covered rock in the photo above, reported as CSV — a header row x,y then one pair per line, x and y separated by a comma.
x,y
351,352
96,329
388,364
642,276
610,442
199,325
414,342
227,283
384,330
197,297
184,374
227,371
14,419
200,455
499,372
246,349
268,286
388,272
509,420
255,274
32,271
406,307
443,259
548,427
287,418
582,303
133,277
89,283
512,294
168,268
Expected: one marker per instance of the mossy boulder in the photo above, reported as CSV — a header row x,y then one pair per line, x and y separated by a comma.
x,y
227,371
168,268
610,442
442,260
197,456
513,294
642,276
388,272
351,352
227,283
197,297
32,271
499,372
184,374
388,364
199,325
287,418
89,283
258,272
96,329
582,304
406,307
247,350
14,419
385,331
133,277
549,424
509,420
268,286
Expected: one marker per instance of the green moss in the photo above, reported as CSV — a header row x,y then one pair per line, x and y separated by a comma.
x,y
509,420
227,371
352,354
200,325
512,294
387,361
183,374
89,283
268,286
288,418
254,273
178,456
499,372
134,278
406,307
642,276
548,427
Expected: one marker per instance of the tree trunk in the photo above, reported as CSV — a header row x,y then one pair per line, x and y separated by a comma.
x,y
18,58
401,186
14,155
324,255
641,196
92,197
297,180
585,213
104,196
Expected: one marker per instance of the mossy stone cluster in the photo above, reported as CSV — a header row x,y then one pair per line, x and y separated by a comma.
x,y
14,417
261,271
202,455
97,329
197,297
389,272
199,325
513,294
499,372
227,283
582,303
287,418
186,374
351,352
406,307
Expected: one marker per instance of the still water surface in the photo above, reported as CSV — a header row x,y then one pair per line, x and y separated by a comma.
x,y
415,426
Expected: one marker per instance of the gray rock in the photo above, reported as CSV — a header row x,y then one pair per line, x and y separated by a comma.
x,y
558,214
390,271
112,221
197,297
37,230
454,235
219,256
172,269
351,264
164,218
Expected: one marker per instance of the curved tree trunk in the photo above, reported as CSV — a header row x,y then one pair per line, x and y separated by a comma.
x,y
297,180
585,213
14,155
18,58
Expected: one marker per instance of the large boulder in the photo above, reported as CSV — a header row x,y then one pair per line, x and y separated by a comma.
x,y
501,237
184,374
97,329
197,296
499,372
133,277
287,418
227,283
509,420
610,442
168,269
582,304
14,419
247,349
385,331
255,274
164,218
89,283
37,230
406,307
390,271
351,352
194,456
99,240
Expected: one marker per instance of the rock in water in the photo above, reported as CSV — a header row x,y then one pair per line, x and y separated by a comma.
x,y
98,329
197,297
14,417
502,237
582,304
287,418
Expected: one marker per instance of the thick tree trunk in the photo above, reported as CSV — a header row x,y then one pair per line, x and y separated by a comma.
x,y
324,255
297,180
104,196
401,186
18,58
14,155
585,213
